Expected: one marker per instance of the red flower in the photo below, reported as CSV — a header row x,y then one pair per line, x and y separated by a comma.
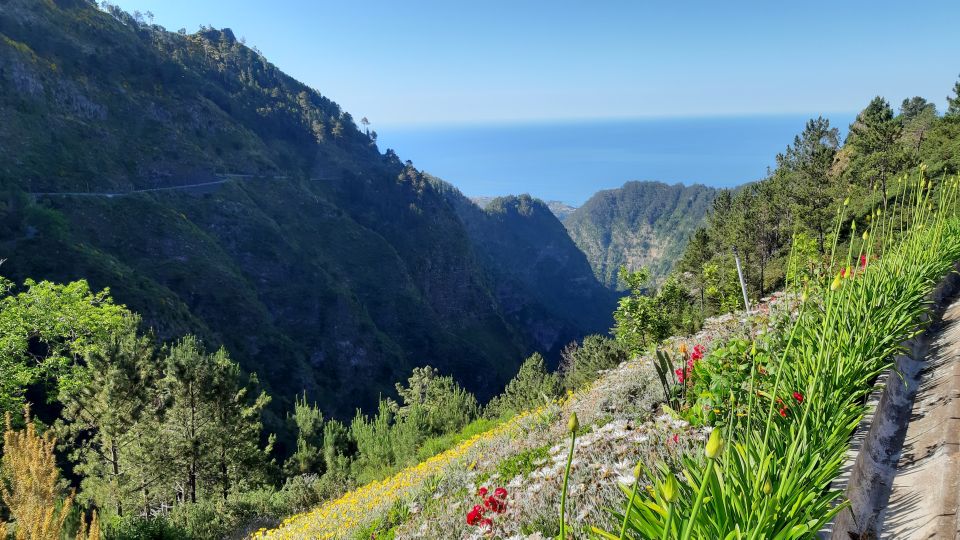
x,y
697,353
475,515
500,493
487,522
676,438
783,412
482,492
679,373
843,272
798,396
863,261
494,504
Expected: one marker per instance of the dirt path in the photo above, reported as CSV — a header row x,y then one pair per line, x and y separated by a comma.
x,y
926,489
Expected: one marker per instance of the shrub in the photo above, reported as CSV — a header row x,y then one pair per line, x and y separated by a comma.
x,y
532,386
581,364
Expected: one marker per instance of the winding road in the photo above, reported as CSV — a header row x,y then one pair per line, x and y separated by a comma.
x,y
223,178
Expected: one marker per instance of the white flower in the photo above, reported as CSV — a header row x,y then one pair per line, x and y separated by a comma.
x,y
626,479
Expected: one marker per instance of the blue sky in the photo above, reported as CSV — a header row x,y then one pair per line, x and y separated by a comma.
x,y
416,62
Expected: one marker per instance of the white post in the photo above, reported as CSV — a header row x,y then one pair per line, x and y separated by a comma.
x,y
743,284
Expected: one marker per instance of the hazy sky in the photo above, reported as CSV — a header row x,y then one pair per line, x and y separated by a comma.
x,y
406,62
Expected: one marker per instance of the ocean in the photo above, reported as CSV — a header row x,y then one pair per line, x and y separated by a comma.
x,y
570,161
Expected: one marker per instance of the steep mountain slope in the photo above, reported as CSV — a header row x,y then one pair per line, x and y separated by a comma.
x,y
559,208
639,224
334,269
542,279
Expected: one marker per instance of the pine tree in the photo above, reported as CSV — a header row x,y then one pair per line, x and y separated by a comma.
x,y
874,137
308,457
803,170
953,102
102,416
211,425
533,385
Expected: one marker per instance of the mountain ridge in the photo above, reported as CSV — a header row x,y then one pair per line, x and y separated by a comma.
x,y
642,223
336,280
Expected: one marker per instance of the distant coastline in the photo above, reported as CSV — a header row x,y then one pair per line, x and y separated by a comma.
x,y
569,161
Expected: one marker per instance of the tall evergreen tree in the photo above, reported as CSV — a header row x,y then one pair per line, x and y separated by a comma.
x,y
804,169
211,423
106,416
874,138
953,102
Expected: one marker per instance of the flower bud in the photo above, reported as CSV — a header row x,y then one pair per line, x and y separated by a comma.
x,y
573,424
846,201
767,487
865,236
836,282
638,471
714,444
849,273
804,297
669,488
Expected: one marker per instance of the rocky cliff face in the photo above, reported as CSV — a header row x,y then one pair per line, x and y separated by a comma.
x,y
334,268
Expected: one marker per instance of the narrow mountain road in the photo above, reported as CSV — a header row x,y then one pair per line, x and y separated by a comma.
x,y
202,186
926,489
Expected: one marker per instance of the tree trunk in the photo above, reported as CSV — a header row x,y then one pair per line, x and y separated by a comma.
x,y
115,463
223,472
192,473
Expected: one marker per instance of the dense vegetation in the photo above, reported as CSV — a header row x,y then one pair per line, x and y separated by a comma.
x,y
794,208
783,406
864,233
336,271
263,311
168,442
639,225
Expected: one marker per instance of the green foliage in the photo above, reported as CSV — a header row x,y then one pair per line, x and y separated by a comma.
x,y
532,386
879,152
438,444
953,102
45,330
642,320
445,406
523,463
213,416
641,224
784,408
431,406
111,416
581,364
309,456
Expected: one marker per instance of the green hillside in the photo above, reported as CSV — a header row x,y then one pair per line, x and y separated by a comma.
x,y
642,224
334,269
